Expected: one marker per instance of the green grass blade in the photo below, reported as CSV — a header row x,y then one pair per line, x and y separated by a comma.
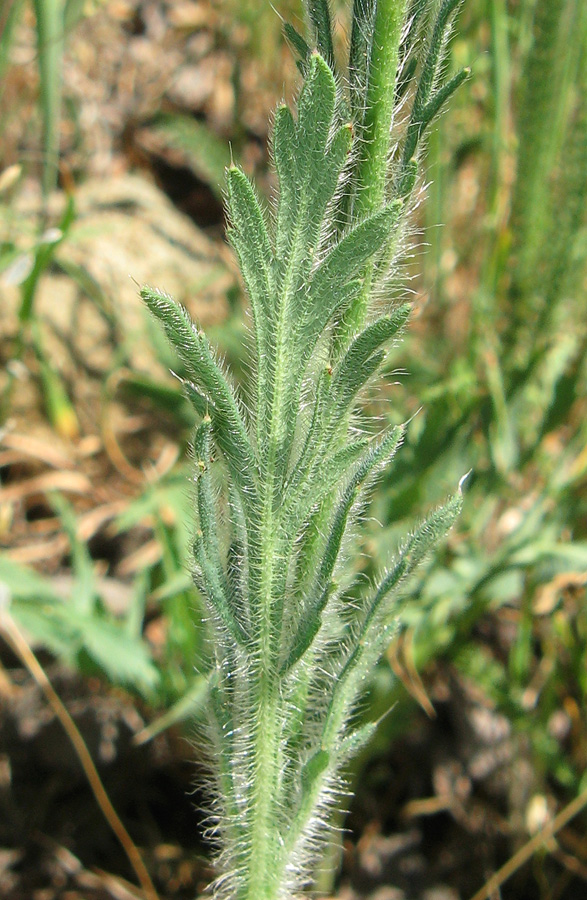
x,y
50,41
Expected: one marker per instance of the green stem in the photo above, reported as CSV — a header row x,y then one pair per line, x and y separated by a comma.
x,y
262,858
372,169
261,862
50,28
378,116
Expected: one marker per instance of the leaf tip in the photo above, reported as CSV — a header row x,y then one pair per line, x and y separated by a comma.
x,y
462,482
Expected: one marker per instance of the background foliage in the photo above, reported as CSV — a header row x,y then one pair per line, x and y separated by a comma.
x,y
496,383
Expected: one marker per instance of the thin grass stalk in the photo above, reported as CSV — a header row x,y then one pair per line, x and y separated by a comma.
x,y
539,102
50,42
549,186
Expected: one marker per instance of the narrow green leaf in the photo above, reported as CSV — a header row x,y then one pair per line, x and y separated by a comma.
x,y
428,80
308,628
298,43
194,350
207,547
354,369
284,154
415,549
199,401
315,115
249,236
350,745
315,766
363,17
540,104
440,97
348,683
376,630
348,257
237,561
320,17
311,779
328,472
315,427
84,595
44,253
123,660
379,453
342,264
339,148
323,306
25,584
205,493
433,58
250,239
187,707
45,622
320,176
210,585
407,179
405,78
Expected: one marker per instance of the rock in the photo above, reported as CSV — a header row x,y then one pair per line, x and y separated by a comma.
x,y
126,233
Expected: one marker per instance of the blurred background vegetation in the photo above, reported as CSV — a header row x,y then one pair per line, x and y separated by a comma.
x,y
116,120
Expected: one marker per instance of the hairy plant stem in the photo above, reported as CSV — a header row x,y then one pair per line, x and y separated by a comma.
x,y
378,114
292,645
375,128
262,866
